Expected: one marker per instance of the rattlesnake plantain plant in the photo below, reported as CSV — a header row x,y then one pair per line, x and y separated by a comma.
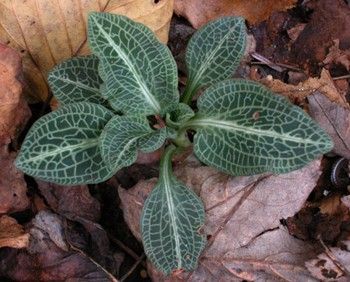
x,y
107,103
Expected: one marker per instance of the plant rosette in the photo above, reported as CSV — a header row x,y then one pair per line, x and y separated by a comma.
x,y
107,103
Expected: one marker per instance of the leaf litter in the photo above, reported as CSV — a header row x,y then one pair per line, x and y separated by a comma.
x,y
252,222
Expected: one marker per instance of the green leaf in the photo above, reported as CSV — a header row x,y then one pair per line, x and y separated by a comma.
x,y
123,136
213,53
62,146
243,129
179,116
77,80
139,72
154,140
171,219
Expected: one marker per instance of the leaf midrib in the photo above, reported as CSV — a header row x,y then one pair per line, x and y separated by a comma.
x,y
144,89
170,203
79,84
85,144
211,55
234,127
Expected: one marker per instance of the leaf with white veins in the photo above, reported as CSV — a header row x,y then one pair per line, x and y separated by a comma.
x,y
123,136
242,128
214,53
77,80
62,146
139,73
171,219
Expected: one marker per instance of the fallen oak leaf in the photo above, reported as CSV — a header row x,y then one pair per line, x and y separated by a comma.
x,y
12,234
242,213
334,119
49,32
199,12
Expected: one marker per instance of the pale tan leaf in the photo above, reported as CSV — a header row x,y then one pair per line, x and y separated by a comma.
x,y
243,214
199,12
12,234
48,32
334,119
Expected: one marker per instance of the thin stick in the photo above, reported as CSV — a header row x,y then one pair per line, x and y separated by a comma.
x,y
341,77
125,276
126,249
94,262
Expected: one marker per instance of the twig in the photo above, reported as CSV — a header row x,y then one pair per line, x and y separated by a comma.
x,y
94,262
126,275
126,249
341,77
276,66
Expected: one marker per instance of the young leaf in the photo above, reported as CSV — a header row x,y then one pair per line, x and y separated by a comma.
x,y
77,80
170,222
213,53
180,115
139,72
62,146
123,136
243,128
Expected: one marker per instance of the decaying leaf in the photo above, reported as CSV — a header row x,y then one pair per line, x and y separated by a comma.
x,y
333,264
48,32
338,56
323,84
70,200
245,238
14,113
12,234
328,22
199,12
334,119
51,257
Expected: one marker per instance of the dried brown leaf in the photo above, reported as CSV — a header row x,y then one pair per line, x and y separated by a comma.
x,y
199,12
333,264
14,113
323,84
50,257
334,119
329,21
48,32
338,56
71,201
12,234
242,221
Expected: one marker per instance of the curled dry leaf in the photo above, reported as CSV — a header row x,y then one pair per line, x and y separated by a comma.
x,y
338,56
323,84
48,32
12,234
334,119
246,240
199,12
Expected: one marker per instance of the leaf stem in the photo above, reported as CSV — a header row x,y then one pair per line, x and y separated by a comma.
x,y
181,139
186,97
